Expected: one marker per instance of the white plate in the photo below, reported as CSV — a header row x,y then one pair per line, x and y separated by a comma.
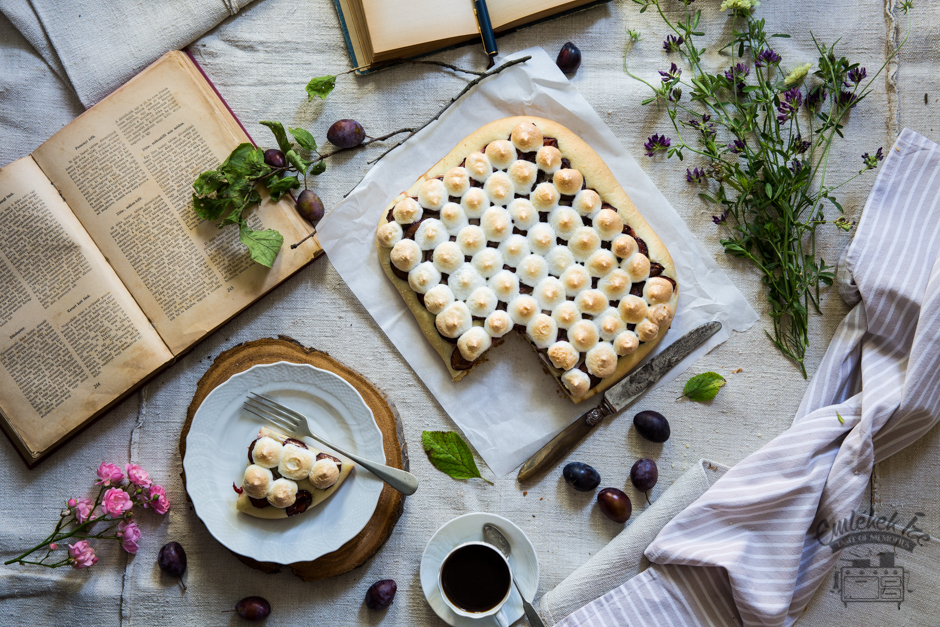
x,y
216,456
523,562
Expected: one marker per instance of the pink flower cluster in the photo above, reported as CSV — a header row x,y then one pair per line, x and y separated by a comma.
x,y
82,554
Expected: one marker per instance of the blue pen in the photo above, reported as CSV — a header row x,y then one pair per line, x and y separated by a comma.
x,y
486,28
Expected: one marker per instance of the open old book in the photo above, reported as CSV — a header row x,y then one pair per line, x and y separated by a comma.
x,y
107,274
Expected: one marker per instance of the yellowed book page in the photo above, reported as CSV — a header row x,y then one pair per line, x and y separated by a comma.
x,y
72,339
126,168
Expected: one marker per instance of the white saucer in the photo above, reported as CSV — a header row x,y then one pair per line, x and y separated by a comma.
x,y
523,561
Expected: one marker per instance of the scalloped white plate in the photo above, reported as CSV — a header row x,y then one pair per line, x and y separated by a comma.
x,y
216,456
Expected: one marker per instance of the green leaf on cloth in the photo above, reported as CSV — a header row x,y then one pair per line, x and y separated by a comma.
x,y
320,86
703,387
450,454
279,187
304,138
263,245
278,129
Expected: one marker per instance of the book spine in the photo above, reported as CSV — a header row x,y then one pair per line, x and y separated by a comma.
x,y
343,27
221,98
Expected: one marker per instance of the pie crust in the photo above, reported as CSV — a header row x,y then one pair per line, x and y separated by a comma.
x,y
589,249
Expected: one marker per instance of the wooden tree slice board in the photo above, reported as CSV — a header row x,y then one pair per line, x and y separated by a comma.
x,y
391,502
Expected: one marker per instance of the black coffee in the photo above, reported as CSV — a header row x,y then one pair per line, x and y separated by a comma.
x,y
475,578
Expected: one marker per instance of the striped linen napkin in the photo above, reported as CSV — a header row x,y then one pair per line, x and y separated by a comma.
x,y
746,552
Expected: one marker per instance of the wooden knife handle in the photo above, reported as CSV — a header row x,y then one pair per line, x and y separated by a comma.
x,y
564,442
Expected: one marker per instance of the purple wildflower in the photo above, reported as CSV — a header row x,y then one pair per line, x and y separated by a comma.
x,y
792,100
796,166
871,161
800,145
656,143
672,75
737,146
738,73
767,57
695,175
675,95
814,96
857,75
847,98
720,219
672,43
704,125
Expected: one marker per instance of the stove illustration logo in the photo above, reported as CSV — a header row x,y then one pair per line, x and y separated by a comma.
x,y
870,573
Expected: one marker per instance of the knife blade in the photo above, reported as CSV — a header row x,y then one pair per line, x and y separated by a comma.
x,y
617,397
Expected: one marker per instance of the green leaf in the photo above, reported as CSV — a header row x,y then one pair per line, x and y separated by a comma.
x,y
236,163
278,129
263,245
318,168
841,419
209,182
294,159
210,208
703,387
280,187
320,86
303,138
450,454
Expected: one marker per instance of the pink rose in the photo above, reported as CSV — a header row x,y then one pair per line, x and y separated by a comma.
x,y
109,474
116,502
158,499
83,508
82,554
137,475
129,534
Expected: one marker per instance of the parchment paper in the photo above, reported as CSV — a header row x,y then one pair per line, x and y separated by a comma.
x,y
509,407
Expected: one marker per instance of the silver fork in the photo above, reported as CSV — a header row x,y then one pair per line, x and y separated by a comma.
x,y
296,423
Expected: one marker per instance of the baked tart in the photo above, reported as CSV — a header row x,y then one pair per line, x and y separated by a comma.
x,y
522,227
286,477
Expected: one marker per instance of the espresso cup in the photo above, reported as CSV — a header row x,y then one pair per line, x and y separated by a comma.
x,y
475,580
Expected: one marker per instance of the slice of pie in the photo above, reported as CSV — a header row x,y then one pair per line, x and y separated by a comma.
x,y
286,477
522,227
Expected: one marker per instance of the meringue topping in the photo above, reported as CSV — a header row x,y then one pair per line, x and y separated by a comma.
x,y
257,481
296,462
632,309
610,324
587,202
601,360
522,309
457,181
591,302
501,153
568,181
657,290
583,335
267,453
532,269
575,279
565,221
549,293
601,263
496,224
498,323
474,343
523,174
505,285
455,320
405,255
523,214
407,211
559,259
615,285
637,267
548,158
471,240
430,233
542,330
541,238
424,277
487,262
324,474
608,224
482,302
499,188
282,493
526,137
478,166
661,314
464,280
563,355
475,202
389,234
447,257
584,242
626,343
431,194
514,249
437,298
566,314
646,330
453,218
623,246
544,197
577,382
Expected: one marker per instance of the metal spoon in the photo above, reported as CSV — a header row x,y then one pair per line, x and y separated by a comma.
x,y
492,535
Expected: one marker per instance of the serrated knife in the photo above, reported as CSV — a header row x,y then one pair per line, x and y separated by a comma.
x,y
616,398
